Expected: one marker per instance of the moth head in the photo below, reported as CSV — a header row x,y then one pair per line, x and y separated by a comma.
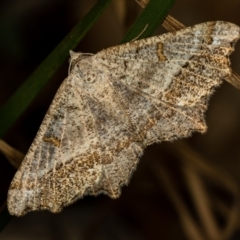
x,y
75,57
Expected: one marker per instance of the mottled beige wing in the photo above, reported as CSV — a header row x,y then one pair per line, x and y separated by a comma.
x,y
164,82
176,72
202,49
64,158
78,148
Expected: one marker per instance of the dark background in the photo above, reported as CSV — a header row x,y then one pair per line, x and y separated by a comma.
x,y
29,30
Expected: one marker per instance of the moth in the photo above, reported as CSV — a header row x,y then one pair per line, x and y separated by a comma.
x,y
112,106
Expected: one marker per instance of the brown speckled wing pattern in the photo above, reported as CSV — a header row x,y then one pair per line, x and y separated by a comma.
x,y
115,103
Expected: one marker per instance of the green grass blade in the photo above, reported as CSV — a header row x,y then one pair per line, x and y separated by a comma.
x,y
149,20
22,98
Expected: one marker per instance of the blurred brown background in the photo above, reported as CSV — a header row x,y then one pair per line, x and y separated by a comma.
x,y
146,209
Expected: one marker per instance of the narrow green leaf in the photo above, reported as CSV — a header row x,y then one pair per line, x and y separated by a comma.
x,y
149,20
22,98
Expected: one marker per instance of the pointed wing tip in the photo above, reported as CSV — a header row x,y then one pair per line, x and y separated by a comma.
x,y
233,28
21,201
19,209
230,29
14,208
